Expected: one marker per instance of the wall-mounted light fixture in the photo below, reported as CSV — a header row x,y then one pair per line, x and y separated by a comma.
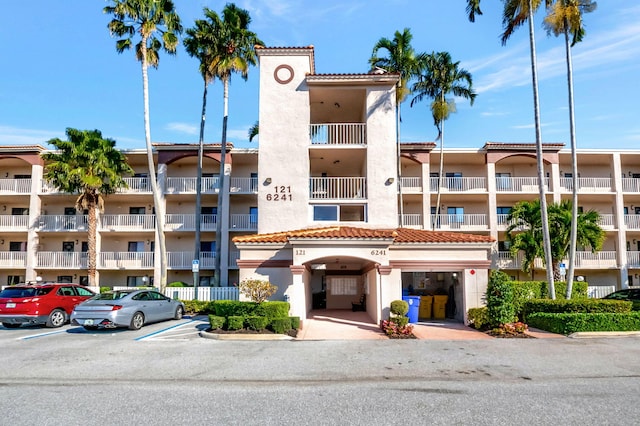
x,y
390,181
267,181
1,241
4,208
77,242
75,276
337,105
148,242
634,241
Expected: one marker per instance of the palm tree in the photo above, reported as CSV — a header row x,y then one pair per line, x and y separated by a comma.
x,y
254,131
565,17
92,166
525,230
224,46
440,77
515,14
147,18
403,60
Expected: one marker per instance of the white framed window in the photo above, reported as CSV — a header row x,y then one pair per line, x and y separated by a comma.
x,y
343,286
339,212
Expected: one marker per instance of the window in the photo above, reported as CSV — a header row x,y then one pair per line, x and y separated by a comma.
x,y
343,213
343,286
142,281
454,180
20,211
84,280
19,176
68,247
253,216
15,279
504,245
455,215
135,246
502,212
325,213
17,246
137,210
65,279
503,181
254,182
84,247
208,214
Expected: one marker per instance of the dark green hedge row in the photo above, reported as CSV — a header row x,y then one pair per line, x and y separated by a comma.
x,y
575,306
274,309
279,325
199,307
567,323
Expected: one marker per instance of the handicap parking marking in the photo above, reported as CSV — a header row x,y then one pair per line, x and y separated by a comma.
x,y
35,336
155,334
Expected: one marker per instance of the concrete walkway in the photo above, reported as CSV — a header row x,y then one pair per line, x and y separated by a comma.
x,y
346,325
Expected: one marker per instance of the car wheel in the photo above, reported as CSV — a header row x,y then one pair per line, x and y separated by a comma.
x,y
11,325
90,327
137,321
179,313
56,319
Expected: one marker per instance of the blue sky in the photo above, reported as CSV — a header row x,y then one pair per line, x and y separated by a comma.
x,y
60,69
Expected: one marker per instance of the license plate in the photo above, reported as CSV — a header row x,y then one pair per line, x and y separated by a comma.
x,y
88,322
11,305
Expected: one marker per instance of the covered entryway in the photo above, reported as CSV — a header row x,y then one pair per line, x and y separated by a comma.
x,y
339,324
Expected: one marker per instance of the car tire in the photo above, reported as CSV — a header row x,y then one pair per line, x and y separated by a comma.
x,y
137,321
11,325
179,313
56,319
90,327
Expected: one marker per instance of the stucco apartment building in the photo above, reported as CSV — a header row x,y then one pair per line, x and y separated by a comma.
x,y
321,209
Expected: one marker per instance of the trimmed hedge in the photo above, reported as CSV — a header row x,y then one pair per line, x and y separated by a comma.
x,y
227,308
235,322
199,306
273,309
295,323
216,322
575,306
478,317
280,325
567,323
255,322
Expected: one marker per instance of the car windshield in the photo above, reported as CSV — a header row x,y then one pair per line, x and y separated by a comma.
x,y
618,295
111,295
25,292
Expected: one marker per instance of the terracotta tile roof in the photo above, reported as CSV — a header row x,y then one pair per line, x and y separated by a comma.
x,y
509,146
400,235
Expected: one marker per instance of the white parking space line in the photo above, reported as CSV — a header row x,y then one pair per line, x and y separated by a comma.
x,y
35,336
164,330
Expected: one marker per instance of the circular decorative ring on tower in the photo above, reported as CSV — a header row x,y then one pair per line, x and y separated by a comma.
x,y
283,74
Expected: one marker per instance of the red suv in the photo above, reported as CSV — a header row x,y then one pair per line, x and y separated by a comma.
x,y
48,304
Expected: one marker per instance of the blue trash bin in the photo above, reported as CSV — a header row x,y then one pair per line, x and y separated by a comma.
x,y
414,307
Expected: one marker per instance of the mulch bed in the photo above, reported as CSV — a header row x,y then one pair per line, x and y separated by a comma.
x,y
292,333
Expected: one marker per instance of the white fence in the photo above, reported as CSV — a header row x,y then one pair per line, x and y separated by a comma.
x,y
205,294
596,292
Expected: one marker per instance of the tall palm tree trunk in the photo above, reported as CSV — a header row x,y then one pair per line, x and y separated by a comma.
x,y
546,239
196,251
574,167
223,154
152,172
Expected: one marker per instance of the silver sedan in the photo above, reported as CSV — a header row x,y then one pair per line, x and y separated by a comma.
x,y
126,308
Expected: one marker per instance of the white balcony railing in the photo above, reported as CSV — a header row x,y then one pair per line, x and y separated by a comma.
x,y
460,221
187,185
519,184
247,185
136,185
125,260
607,221
630,184
15,186
602,259
234,255
633,259
184,259
15,223
458,184
590,184
505,260
412,221
127,222
411,184
62,223
338,134
61,259
243,222
13,259
338,188
187,222
632,221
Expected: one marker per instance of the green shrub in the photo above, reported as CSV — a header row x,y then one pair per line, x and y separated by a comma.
x,y
280,325
179,284
578,289
575,306
257,290
400,321
235,322
199,307
274,309
478,317
255,322
524,291
216,322
500,308
227,308
399,307
295,323
105,289
567,323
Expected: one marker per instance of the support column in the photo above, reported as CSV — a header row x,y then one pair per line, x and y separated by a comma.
x,y
33,241
389,289
426,196
618,210
160,210
555,182
296,293
224,216
493,203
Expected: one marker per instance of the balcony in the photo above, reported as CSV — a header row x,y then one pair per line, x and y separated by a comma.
x,y
61,260
630,185
136,185
584,260
519,184
14,223
187,185
13,259
633,259
458,184
184,259
632,221
187,222
591,184
411,184
411,221
607,221
15,186
128,222
125,260
456,222
243,185
338,188
338,134
62,223
243,222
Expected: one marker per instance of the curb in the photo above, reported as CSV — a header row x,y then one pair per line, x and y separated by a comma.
x,y
214,336
596,334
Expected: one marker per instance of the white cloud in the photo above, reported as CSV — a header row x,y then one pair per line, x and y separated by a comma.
x,y
10,135
186,128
